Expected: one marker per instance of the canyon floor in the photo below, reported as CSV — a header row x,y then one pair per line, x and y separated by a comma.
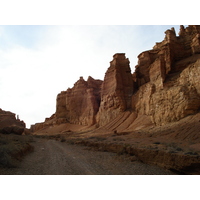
x,y
77,150
51,157
174,146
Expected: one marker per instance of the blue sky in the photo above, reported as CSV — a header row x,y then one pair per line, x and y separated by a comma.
x,y
37,62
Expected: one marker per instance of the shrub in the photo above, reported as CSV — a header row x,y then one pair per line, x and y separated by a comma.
x,y
13,148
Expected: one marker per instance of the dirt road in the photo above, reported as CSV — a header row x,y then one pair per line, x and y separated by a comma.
x,y
52,157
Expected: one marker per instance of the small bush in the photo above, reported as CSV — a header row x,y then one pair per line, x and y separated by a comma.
x,y
179,149
13,148
62,139
191,153
156,143
6,160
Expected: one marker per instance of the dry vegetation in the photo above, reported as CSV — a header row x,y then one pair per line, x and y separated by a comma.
x,y
13,148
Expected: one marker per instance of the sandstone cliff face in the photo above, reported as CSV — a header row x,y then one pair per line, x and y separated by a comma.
x,y
167,77
117,89
164,87
51,121
167,53
80,104
9,124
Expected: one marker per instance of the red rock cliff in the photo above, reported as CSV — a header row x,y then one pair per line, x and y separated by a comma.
x,y
117,89
163,88
167,77
80,104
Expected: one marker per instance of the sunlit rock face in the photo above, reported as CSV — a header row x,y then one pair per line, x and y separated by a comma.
x,y
164,87
117,89
167,77
164,56
80,104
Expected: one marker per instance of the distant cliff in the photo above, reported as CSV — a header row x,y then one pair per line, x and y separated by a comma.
x,y
9,124
80,104
164,87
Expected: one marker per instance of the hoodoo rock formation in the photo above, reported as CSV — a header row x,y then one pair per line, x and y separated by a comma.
x,y
163,88
80,104
117,89
9,124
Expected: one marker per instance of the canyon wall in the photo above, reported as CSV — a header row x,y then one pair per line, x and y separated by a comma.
x,y
167,76
97,102
117,90
164,86
80,104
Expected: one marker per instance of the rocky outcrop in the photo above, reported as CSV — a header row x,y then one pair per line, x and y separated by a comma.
x,y
94,101
9,124
167,77
49,122
164,55
117,89
80,104
163,88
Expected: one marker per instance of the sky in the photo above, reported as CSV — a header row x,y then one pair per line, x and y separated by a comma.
x,y
37,62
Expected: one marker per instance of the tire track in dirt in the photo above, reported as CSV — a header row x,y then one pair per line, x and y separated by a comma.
x,y
52,157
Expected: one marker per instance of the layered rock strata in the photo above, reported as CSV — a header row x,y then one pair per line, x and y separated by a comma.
x,y
80,104
164,87
117,89
167,77
164,55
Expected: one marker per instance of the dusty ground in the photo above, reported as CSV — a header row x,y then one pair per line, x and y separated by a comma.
x,y
174,146
51,157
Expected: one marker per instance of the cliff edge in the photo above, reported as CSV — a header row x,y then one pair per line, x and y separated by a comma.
x,y
163,89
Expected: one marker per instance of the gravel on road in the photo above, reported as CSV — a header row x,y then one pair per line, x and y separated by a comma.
x,y
51,157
